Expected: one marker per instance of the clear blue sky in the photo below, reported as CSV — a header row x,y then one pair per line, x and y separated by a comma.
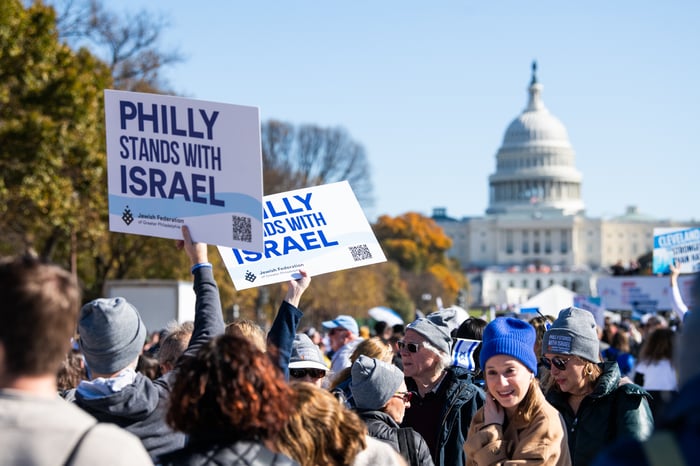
x,y
429,88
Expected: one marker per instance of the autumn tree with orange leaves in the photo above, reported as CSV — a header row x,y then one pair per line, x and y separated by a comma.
x,y
419,247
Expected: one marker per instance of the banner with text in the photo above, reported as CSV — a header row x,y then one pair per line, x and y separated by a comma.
x,y
641,293
676,245
320,229
173,161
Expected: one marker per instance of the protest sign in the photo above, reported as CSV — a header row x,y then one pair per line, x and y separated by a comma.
x,y
676,245
320,229
173,161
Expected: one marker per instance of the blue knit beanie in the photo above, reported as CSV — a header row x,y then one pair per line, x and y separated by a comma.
x,y
512,337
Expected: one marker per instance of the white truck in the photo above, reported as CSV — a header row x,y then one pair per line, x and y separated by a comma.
x,y
158,301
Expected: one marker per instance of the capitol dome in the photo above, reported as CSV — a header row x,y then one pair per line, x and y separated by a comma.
x,y
535,168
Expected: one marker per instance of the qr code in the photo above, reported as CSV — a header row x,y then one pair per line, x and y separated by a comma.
x,y
360,253
241,228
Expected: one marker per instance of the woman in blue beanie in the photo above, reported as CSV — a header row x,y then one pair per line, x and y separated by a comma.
x,y
516,423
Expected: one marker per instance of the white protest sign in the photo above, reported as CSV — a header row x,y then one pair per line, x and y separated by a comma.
x,y
676,245
173,161
321,229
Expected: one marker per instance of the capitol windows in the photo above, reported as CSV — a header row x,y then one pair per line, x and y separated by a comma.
x,y
547,242
536,242
526,243
564,246
509,242
538,284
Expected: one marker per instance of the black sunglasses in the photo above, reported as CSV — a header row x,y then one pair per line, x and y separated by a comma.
x,y
559,363
301,373
411,347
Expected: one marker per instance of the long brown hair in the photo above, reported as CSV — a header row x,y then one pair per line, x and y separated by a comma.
x,y
658,346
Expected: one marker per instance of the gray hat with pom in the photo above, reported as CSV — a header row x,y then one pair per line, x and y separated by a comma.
x,y
438,335
374,382
112,334
574,332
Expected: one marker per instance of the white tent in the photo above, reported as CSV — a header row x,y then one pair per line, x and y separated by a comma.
x,y
551,300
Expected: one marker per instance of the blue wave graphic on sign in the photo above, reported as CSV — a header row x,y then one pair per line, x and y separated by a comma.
x,y
235,202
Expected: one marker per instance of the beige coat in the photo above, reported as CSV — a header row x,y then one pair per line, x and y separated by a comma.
x,y
542,441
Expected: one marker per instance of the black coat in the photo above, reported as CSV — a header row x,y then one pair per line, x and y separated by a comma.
x,y
383,427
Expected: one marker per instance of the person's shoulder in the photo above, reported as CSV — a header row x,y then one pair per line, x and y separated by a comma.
x,y
109,444
378,453
627,388
461,385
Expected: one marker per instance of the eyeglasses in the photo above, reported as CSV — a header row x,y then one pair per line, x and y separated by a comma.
x,y
301,373
559,363
411,347
405,396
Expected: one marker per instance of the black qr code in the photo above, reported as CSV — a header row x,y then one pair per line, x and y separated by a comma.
x,y
241,228
360,253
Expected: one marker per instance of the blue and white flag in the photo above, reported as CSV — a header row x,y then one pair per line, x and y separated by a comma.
x,y
463,353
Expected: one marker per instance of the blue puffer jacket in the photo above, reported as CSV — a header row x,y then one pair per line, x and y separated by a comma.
x,y
615,409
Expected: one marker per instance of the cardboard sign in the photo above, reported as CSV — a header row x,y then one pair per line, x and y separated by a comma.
x,y
676,245
173,161
320,229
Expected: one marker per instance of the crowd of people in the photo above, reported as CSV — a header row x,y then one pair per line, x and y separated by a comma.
x,y
551,391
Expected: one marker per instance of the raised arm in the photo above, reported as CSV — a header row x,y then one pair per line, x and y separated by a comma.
x,y
677,304
208,317
281,336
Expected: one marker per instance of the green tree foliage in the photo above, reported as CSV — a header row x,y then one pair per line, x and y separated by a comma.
x,y
419,247
52,171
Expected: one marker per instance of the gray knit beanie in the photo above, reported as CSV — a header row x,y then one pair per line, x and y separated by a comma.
x,y
688,347
438,335
112,334
450,317
574,332
374,382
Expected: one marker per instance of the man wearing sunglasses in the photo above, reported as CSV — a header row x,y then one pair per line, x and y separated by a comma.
x,y
445,399
344,336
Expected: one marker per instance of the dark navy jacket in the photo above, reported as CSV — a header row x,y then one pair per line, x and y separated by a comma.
x,y
140,407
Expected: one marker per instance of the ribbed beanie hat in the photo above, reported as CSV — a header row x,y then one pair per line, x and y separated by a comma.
x,y
438,335
112,334
374,382
512,337
574,332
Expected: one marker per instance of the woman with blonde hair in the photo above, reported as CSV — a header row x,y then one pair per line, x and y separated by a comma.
x,y
598,405
373,347
322,431
516,423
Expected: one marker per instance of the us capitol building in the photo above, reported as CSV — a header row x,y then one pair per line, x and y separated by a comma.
x,y
535,233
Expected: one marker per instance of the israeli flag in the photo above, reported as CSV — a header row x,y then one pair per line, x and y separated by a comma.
x,y
463,353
